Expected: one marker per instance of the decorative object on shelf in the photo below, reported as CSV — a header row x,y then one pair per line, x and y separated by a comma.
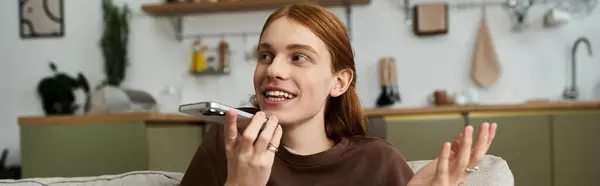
x,y
109,96
466,97
39,18
111,99
198,58
441,98
485,69
430,19
57,93
114,42
567,11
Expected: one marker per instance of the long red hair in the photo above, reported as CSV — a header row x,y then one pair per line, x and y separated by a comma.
x,y
344,115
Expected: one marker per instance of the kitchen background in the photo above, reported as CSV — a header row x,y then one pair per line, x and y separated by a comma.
x,y
534,62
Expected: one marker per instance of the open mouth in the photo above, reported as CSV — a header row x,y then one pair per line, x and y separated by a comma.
x,y
277,95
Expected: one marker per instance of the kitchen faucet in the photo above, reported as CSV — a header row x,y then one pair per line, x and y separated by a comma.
x,y
571,92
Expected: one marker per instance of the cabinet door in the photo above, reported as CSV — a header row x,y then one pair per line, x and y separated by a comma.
x,y
83,149
171,147
421,138
524,142
576,148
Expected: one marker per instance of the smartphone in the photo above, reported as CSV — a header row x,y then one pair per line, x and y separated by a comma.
x,y
215,112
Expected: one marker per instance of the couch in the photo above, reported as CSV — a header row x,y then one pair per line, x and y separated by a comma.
x,y
494,171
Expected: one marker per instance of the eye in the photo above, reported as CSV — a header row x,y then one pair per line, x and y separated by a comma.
x,y
299,58
265,57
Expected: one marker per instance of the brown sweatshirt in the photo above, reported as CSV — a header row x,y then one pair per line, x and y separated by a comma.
x,y
355,161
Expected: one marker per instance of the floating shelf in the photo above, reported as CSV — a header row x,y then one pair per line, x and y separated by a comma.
x,y
186,8
211,71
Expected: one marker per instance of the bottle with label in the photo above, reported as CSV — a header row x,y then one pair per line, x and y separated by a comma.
x,y
198,60
223,56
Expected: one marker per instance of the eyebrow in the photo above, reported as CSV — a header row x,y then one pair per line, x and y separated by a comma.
x,y
289,47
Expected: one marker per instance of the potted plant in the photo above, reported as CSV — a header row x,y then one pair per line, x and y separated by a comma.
x,y
109,96
114,42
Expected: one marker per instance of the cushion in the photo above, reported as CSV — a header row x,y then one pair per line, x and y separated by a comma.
x,y
146,178
493,171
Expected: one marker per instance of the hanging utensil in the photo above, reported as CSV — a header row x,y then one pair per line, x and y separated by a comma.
x,y
395,91
385,98
519,9
223,56
485,69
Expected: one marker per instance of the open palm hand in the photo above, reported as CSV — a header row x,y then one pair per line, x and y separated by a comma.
x,y
450,168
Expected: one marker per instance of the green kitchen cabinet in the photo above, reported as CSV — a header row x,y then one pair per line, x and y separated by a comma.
x,y
92,149
421,138
523,140
576,147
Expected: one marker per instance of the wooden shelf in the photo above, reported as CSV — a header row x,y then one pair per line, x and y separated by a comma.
x,y
169,9
211,71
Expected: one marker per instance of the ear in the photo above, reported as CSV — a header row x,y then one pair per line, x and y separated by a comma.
x,y
342,82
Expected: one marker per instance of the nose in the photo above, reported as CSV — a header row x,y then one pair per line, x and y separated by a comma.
x,y
278,69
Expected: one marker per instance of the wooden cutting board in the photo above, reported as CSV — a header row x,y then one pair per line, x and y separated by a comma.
x,y
485,69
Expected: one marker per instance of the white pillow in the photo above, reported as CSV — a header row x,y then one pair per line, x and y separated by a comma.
x,y
146,178
493,171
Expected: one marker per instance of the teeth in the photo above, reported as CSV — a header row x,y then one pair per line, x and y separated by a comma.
x,y
276,99
280,93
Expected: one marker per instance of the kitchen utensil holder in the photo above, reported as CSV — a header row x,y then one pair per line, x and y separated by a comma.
x,y
520,15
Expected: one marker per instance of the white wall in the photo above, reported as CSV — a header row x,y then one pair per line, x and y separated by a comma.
x,y
534,62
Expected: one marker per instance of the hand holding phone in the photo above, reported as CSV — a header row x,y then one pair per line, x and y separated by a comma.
x,y
250,155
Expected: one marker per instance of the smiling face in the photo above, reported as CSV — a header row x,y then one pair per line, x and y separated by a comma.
x,y
293,76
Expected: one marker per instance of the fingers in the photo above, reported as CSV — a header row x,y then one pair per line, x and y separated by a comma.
x,y
442,174
276,138
464,152
492,132
231,132
456,142
266,135
251,132
481,145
